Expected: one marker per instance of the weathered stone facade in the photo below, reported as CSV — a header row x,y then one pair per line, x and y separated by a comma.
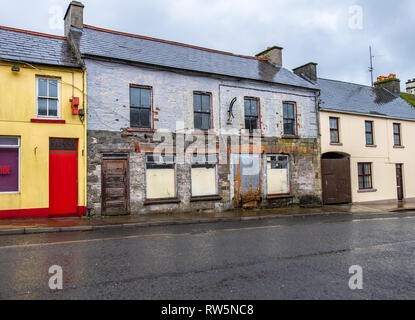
x,y
172,93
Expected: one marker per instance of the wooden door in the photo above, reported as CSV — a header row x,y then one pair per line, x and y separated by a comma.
x,y
399,181
336,181
63,176
115,195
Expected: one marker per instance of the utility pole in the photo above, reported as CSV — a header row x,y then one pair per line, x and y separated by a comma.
x,y
371,64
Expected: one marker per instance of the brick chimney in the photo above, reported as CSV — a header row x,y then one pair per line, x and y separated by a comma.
x,y
273,54
390,83
308,70
74,16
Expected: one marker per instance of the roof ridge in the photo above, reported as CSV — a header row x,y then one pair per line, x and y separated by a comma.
x,y
173,43
356,84
33,33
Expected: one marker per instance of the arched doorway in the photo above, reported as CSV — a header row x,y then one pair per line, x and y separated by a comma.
x,y
335,173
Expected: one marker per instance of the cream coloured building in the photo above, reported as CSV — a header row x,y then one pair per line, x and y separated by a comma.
x,y
367,142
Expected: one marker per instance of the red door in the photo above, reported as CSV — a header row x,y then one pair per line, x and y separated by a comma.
x,y
63,176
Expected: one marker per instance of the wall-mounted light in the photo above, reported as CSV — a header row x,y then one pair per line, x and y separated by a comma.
x,y
15,68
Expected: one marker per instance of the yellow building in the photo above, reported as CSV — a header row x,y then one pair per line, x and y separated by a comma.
x,y
42,127
367,142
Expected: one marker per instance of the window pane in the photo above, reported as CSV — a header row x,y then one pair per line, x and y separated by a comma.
x,y
360,169
134,97
369,139
368,168
43,91
367,182
396,139
145,97
53,108
145,117
247,108
334,136
254,107
289,127
198,121
288,111
197,102
9,170
42,107
134,117
396,128
9,141
254,123
205,122
368,126
333,123
205,103
53,88
361,186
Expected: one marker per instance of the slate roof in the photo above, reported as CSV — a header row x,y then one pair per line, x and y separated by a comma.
x,y
360,99
32,47
116,45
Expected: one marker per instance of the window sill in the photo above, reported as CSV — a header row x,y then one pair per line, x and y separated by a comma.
x,y
371,146
399,147
339,144
209,132
206,198
279,196
162,201
367,190
140,130
47,121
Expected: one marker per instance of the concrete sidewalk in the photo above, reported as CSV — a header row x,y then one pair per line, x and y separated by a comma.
x,y
31,226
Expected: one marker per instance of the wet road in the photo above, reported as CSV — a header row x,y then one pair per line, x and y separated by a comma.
x,y
292,258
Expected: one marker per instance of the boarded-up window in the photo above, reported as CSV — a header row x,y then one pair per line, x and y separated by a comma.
x,y
277,175
160,177
204,176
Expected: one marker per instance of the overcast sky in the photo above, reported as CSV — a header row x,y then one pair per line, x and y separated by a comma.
x,y
334,33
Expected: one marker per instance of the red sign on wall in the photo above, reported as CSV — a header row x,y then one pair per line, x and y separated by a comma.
x,y
4,170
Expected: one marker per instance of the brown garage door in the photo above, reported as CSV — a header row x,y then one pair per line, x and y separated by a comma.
x,y
336,181
115,195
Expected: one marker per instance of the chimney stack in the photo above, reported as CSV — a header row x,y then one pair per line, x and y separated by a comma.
x,y
390,83
308,70
273,54
74,16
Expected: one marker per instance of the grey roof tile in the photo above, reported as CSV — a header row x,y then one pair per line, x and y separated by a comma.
x,y
20,45
110,44
360,99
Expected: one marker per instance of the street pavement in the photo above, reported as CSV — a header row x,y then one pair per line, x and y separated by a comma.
x,y
304,257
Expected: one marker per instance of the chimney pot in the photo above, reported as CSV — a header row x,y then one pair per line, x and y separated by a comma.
x,y
390,83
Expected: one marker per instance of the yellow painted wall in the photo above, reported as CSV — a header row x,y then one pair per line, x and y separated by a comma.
x,y
17,108
383,157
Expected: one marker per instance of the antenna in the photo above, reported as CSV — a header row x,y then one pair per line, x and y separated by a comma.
x,y
371,64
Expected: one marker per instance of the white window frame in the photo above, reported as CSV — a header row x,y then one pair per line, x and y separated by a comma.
x,y
19,164
58,116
